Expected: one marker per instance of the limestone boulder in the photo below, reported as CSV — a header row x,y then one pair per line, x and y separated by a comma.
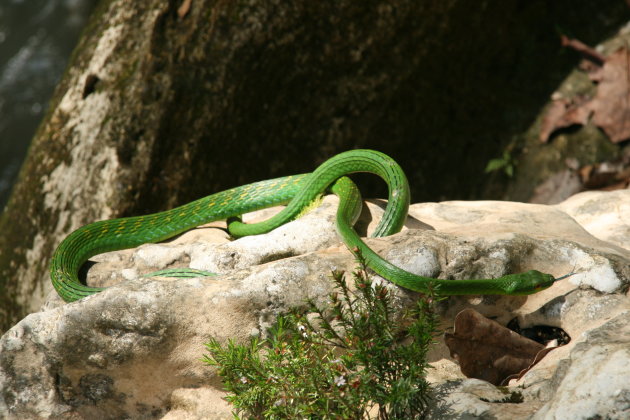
x,y
134,350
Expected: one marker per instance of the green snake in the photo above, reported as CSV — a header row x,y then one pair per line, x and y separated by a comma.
x,y
297,192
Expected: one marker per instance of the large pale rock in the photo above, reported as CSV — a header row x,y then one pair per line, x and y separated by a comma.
x,y
134,350
593,381
606,215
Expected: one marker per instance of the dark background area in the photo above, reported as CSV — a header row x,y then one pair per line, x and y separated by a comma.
x,y
36,39
463,104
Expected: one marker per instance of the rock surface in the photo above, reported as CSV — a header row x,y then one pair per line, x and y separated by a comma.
x,y
134,350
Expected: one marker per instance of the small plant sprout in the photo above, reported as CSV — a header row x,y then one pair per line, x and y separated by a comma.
x,y
505,162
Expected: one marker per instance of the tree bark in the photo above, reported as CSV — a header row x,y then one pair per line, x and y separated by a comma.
x,y
162,104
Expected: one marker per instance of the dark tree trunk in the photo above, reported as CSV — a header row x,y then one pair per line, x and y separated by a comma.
x,y
161,105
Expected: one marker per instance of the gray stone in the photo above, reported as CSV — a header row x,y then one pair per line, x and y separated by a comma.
x,y
134,350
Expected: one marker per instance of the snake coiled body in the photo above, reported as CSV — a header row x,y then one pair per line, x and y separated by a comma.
x,y
297,192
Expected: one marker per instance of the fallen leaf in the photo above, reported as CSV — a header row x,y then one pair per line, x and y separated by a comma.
x,y
587,51
609,108
520,374
611,105
564,113
609,175
486,350
184,8
622,185
585,172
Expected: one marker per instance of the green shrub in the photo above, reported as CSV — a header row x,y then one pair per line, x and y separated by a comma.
x,y
353,360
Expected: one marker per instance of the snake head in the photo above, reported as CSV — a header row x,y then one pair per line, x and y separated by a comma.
x,y
528,283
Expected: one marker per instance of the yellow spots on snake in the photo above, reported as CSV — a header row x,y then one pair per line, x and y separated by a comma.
x,y
137,224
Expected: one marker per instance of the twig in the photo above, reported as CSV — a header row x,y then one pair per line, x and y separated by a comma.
x,y
588,52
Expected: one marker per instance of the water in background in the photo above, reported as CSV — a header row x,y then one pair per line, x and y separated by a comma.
x,y
36,39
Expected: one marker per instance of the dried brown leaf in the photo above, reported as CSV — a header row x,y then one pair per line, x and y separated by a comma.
x,y
537,359
486,350
586,50
184,8
611,104
610,107
564,113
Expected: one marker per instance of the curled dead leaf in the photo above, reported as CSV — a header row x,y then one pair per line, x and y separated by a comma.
x,y
184,8
609,108
486,350
564,113
587,51
611,105
537,359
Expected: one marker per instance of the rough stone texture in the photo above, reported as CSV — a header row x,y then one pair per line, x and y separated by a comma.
x,y
134,349
593,381
604,214
157,108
